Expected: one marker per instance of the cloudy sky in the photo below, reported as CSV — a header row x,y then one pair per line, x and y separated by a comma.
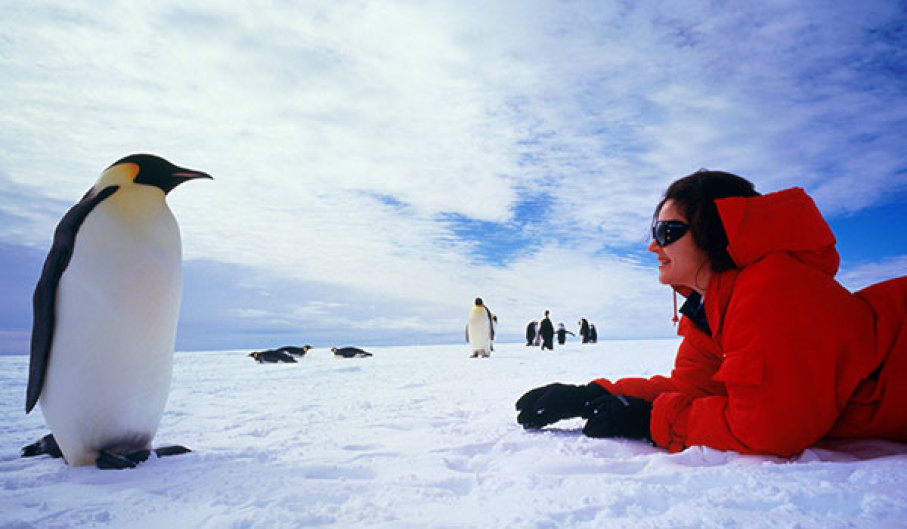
x,y
378,165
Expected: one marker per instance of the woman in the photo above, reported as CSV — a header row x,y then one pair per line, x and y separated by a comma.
x,y
775,353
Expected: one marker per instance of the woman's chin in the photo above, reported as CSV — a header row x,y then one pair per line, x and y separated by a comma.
x,y
663,276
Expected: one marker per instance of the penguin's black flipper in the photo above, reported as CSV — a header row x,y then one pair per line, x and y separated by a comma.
x,y
174,450
45,296
45,445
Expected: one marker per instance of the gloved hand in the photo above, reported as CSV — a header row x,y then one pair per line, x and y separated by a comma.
x,y
548,404
618,416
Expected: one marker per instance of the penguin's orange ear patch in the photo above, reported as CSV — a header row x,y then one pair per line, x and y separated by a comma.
x,y
129,169
120,174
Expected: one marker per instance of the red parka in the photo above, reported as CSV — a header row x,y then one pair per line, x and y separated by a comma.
x,y
793,356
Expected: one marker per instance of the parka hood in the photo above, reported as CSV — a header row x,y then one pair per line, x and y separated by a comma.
x,y
785,221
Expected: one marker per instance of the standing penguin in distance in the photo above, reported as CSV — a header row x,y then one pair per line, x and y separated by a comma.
x,y
584,331
105,316
562,333
480,330
546,330
532,333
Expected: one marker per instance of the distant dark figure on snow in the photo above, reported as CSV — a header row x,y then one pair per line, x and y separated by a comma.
x,y
532,333
584,331
546,331
593,334
350,352
272,357
562,333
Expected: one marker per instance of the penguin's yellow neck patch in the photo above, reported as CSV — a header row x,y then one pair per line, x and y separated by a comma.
x,y
119,175
132,203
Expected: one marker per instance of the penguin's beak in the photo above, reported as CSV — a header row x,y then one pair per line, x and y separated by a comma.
x,y
182,174
188,175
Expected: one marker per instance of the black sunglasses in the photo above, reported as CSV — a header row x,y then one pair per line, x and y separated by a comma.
x,y
667,231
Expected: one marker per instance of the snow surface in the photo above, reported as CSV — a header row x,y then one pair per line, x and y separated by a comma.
x,y
424,437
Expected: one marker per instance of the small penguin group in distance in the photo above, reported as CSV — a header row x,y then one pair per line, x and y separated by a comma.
x,y
105,317
288,354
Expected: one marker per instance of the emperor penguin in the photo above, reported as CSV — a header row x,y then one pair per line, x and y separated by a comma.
x,y
480,330
294,350
105,316
350,352
272,356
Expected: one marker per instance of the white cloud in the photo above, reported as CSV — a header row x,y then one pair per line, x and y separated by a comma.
x,y
861,275
342,135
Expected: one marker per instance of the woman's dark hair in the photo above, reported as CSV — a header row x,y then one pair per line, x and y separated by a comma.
x,y
695,196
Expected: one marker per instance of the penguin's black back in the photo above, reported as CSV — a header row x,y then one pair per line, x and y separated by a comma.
x,y
44,301
293,350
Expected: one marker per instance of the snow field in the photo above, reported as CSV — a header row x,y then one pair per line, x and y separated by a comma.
x,y
424,436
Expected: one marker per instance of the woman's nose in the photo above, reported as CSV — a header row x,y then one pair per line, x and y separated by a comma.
x,y
653,246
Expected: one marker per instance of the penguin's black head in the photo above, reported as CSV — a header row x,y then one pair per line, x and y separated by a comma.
x,y
158,172
478,301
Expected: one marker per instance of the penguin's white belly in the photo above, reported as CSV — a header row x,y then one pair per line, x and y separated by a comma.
x,y
479,331
108,374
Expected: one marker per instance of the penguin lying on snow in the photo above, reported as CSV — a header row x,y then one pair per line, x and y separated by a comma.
x,y
350,352
105,315
273,356
281,354
295,351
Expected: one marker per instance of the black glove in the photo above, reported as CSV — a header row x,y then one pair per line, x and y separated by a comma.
x,y
551,403
618,416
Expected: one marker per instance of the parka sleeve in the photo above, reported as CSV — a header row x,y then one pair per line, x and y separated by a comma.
x,y
786,335
696,363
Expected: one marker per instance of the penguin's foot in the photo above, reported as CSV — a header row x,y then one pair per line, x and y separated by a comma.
x,y
45,445
174,450
106,460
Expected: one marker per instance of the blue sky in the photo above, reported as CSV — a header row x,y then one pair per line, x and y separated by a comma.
x,y
380,164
